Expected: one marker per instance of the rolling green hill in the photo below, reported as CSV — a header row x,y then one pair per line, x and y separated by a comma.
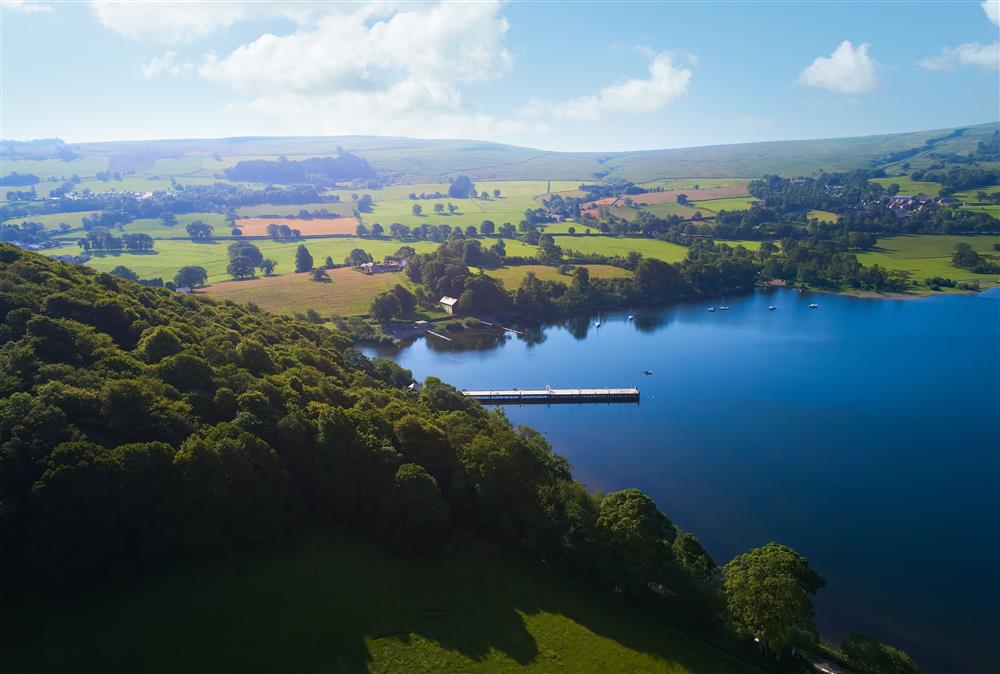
x,y
412,160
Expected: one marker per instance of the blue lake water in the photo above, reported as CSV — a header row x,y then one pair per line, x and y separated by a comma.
x,y
864,433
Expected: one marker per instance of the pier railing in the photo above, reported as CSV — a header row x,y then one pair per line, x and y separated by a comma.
x,y
554,395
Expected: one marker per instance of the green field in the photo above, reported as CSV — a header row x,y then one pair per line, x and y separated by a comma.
x,y
512,276
393,205
910,187
52,220
929,255
992,209
611,245
664,210
329,603
343,208
156,229
169,256
349,292
694,183
824,216
732,204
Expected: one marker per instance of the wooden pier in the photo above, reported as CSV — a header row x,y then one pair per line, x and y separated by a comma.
x,y
548,396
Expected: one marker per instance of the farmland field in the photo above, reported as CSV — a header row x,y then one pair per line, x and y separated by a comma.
x,y
734,204
691,183
169,256
910,187
992,209
929,255
52,220
610,245
330,603
156,229
512,276
392,204
308,227
260,210
348,294
661,210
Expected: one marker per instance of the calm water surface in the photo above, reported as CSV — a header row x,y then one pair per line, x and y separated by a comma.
x,y
864,433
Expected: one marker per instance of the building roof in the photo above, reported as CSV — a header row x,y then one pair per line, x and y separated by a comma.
x,y
450,301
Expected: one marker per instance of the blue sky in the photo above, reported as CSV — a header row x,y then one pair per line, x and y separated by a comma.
x,y
556,75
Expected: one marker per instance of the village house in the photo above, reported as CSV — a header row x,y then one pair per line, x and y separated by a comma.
x,y
390,264
448,303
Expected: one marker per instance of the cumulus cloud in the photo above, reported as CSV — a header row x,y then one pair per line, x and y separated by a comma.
x,y
25,6
666,83
378,68
985,56
165,64
176,22
848,70
992,9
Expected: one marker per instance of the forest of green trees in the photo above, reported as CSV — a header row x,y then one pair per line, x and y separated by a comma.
x,y
138,425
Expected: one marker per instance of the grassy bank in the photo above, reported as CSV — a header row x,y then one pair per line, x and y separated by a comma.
x,y
336,604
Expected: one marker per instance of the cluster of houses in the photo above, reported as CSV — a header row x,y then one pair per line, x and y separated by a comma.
x,y
390,264
919,202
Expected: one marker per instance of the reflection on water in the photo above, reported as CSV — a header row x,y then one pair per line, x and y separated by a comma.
x,y
863,433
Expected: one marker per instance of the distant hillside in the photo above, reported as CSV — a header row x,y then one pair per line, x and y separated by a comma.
x,y
411,160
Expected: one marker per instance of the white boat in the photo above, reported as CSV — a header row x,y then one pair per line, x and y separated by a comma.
x,y
712,309
772,308
723,307
598,324
631,317
814,306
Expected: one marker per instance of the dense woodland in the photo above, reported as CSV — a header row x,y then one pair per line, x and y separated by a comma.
x,y
138,425
314,170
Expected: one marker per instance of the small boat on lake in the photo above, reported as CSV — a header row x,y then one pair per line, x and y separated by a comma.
x,y
772,308
814,306
647,372
631,317
712,309
598,324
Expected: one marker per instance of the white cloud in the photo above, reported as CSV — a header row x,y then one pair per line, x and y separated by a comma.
x,y
165,64
379,68
174,22
666,83
992,9
985,56
848,70
25,6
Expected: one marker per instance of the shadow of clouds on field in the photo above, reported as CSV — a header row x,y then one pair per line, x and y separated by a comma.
x,y
331,604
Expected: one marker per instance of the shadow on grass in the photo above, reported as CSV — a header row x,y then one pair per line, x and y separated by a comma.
x,y
331,603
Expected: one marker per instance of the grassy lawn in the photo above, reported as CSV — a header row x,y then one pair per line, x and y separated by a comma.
x,y
329,603
910,187
169,256
156,229
349,293
732,204
929,255
512,276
